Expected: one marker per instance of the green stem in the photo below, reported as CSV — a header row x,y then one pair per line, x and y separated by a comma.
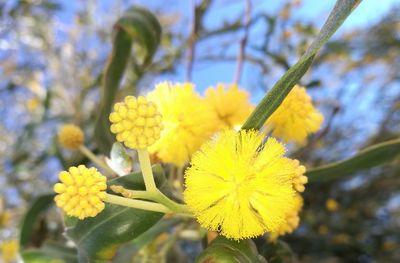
x,y
158,197
138,204
95,159
147,172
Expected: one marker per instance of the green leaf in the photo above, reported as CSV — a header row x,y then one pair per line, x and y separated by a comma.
x,y
366,158
128,251
137,25
224,250
284,85
120,161
50,253
37,208
277,252
99,238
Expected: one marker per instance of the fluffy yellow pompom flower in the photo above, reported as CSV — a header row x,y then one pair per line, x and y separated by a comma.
x,y
9,250
187,119
230,103
240,187
136,122
296,117
70,136
292,220
81,191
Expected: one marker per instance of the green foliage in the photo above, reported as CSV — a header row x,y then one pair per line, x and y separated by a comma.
x,y
284,85
37,208
99,238
230,251
50,253
138,26
367,158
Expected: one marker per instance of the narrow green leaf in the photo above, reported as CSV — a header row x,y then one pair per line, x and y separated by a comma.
x,y
99,238
38,207
137,25
50,253
284,85
277,252
128,251
120,161
224,250
367,158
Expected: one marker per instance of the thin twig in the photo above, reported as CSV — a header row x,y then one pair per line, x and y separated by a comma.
x,y
243,42
192,43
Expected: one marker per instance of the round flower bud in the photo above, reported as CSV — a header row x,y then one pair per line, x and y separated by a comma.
x,y
136,122
70,136
81,191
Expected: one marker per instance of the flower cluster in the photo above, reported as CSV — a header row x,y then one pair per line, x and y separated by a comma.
x,y
296,117
136,122
81,191
238,183
240,187
231,104
188,121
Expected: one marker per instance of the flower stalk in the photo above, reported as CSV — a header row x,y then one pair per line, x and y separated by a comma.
x,y
91,156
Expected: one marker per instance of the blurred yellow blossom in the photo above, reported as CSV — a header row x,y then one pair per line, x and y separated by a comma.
x,y
331,205
231,104
9,250
187,119
136,122
239,187
292,220
81,191
323,230
70,136
32,104
296,117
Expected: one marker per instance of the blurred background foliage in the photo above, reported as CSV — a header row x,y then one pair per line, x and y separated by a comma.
x,y
52,54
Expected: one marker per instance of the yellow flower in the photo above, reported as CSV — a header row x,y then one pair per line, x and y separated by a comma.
x,y
299,179
292,220
9,250
70,136
81,191
331,205
32,104
240,188
296,117
187,119
231,104
136,122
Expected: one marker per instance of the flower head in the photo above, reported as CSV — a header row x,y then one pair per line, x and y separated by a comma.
x,y
9,250
296,117
230,103
81,191
240,187
292,220
331,205
70,136
187,119
136,122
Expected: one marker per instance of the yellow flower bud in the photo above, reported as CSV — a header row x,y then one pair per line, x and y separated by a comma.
x,y
70,136
136,122
81,191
